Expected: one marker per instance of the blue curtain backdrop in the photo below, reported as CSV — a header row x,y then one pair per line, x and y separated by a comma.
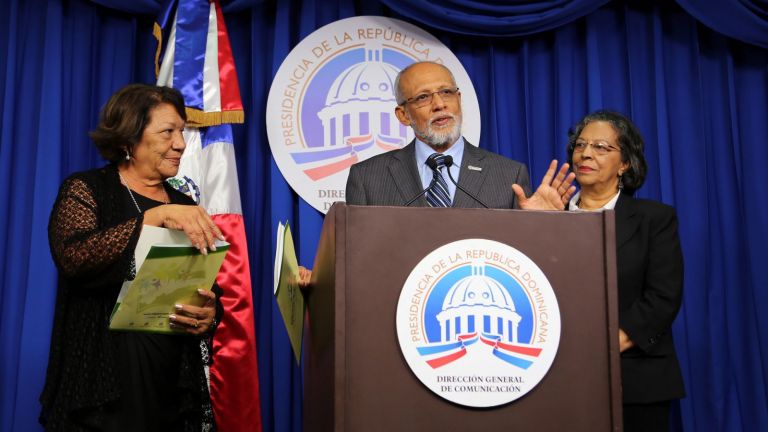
x,y
694,78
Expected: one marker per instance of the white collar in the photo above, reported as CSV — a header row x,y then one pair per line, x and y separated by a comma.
x,y
610,205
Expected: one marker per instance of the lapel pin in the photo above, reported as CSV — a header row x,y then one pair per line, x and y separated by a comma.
x,y
474,168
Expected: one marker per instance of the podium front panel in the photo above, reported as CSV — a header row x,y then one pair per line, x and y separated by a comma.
x,y
373,387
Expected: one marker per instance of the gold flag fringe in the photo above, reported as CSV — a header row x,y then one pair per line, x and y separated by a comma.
x,y
157,32
198,118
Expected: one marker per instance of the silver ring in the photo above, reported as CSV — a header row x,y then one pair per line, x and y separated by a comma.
x,y
197,324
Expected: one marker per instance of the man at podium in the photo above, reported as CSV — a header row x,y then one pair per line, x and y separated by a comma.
x,y
439,168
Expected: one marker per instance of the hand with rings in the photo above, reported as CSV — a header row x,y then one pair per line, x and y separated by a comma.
x,y
193,319
193,220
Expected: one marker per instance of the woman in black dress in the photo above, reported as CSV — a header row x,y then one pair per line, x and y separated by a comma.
x,y
606,153
126,381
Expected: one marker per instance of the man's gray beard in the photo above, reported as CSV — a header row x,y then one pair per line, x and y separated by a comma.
x,y
438,139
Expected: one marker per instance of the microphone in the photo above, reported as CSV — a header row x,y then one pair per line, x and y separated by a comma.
x,y
408,204
431,163
448,162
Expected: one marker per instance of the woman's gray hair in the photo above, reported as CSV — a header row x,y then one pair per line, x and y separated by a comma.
x,y
630,141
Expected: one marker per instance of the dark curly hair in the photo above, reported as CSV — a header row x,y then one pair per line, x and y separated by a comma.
x,y
630,141
125,116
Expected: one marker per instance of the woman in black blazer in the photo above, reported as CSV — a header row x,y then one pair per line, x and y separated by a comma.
x,y
606,153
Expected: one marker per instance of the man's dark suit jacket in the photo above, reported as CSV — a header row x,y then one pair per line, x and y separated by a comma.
x,y
650,284
392,179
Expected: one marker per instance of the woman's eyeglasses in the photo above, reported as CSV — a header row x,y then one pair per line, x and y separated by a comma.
x,y
599,147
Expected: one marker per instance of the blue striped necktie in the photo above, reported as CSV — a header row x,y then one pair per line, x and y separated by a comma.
x,y
437,195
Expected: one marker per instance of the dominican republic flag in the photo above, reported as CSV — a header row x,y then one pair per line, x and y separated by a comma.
x,y
197,60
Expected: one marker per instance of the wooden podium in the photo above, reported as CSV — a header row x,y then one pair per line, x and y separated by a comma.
x,y
356,378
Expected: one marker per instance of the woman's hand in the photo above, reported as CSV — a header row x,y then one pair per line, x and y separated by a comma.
x,y
193,319
625,342
191,219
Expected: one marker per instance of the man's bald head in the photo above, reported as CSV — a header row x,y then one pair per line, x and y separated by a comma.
x,y
416,68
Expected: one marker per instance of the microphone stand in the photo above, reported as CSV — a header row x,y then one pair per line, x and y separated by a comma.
x,y
408,204
448,164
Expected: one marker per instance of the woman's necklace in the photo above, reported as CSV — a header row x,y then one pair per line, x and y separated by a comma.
x,y
125,183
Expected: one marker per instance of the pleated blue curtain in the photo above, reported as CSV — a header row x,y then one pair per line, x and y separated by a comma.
x,y
697,89
744,20
494,18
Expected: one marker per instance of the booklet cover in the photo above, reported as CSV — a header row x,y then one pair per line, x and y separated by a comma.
x,y
289,297
170,272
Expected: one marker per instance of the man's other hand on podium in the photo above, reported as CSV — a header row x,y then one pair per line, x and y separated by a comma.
x,y
305,277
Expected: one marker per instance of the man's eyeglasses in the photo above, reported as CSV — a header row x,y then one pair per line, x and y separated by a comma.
x,y
424,99
599,147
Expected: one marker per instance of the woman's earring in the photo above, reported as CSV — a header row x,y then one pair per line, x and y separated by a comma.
x,y
127,155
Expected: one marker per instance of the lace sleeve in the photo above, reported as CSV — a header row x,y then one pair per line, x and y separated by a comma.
x,y
81,247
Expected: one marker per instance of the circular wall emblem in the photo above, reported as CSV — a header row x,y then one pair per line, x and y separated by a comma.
x,y
478,323
332,102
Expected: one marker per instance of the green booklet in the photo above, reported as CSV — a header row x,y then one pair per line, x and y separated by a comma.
x,y
169,271
289,297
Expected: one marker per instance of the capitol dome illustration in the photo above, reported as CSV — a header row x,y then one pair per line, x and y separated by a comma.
x,y
478,303
361,102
